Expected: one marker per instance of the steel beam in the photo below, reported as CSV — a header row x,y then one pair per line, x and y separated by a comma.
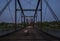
x,y
5,7
28,10
21,10
41,15
37,7
20,7
28,16
15,15
51,10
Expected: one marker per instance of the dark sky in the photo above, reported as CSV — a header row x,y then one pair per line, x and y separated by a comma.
x,y
29,4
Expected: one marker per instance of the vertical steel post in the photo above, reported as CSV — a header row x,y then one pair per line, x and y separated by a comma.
x,y
41,14
34,21
36,18
21,19
15,16
24,22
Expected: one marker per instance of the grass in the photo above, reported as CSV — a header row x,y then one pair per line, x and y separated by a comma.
x,y
45,25
49,25
7,26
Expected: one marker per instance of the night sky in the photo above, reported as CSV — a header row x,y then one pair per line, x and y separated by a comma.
x,y
29,4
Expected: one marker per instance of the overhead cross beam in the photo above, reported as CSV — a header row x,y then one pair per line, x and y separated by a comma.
x,y
28,16
28,9
37,7
51,10
1,12
20,7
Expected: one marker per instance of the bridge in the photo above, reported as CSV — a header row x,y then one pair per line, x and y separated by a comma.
x,y
22,26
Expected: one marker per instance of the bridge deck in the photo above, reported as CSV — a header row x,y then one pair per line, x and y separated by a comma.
x,y
28,34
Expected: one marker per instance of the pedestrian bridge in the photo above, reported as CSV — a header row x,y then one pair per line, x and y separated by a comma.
x,y
29,20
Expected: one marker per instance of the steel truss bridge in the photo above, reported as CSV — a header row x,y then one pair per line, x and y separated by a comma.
x,y
26,31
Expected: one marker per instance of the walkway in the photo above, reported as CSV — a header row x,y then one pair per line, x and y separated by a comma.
x,y
28,34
